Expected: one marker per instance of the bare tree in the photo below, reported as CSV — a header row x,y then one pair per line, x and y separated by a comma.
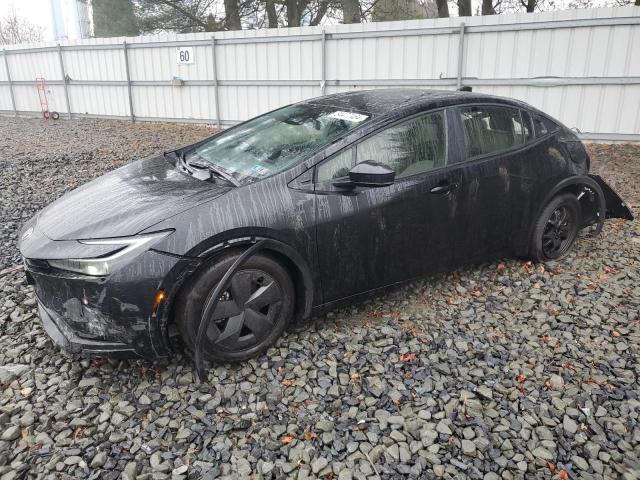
x,y
464,8
272,15
488,7
443,8
15,29
232,15
351,12
179,15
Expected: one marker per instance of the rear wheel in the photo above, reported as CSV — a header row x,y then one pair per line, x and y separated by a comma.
x,y
251,314
556,229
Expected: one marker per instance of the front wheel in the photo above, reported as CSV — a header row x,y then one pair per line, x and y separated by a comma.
x,y
556,229
251,314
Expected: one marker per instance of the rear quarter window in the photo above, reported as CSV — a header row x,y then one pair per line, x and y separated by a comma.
x,y
543,125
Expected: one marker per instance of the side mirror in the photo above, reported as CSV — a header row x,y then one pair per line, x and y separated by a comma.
x,y
369,174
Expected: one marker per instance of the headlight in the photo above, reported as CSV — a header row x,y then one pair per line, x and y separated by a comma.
x,y
130,247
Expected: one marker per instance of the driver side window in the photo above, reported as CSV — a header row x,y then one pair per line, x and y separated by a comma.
x,y
415,146
409,148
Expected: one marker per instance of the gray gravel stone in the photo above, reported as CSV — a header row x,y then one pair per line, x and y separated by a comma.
x,y
543,453
10,433
468,447
99,460
569,425
318,464
443,428
8,373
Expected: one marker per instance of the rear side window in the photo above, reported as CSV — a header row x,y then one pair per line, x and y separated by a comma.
x,y
491,129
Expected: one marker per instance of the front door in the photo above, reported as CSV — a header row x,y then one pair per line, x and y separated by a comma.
x,y
376,236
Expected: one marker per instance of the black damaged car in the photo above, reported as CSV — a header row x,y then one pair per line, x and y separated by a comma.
x,y
228,240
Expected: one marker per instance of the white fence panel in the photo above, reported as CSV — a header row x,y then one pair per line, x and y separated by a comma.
x,y
581,66
5,98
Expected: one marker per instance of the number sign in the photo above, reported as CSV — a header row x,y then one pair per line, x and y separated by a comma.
x,y
184,55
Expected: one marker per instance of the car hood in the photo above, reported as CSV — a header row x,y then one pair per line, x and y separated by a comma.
x,y
126,201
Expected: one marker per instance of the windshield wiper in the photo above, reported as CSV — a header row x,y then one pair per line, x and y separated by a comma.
x,y
213,169
181,160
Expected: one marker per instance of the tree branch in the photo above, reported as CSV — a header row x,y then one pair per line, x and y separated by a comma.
x,y
184,12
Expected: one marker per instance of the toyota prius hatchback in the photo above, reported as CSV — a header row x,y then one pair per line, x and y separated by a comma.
x,y
227,241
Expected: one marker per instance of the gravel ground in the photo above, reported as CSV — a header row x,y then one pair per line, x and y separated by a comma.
x,y
503,370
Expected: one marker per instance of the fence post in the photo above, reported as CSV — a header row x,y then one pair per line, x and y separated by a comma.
x,y
460,55
216,96
323,82
126,70
65,83
13,98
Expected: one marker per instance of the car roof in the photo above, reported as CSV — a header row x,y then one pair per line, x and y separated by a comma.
x,y
383,101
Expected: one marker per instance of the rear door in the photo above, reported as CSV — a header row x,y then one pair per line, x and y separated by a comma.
x,y
495,139
372,237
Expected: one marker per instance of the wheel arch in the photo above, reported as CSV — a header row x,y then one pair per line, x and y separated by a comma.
x,y
590,197
289,257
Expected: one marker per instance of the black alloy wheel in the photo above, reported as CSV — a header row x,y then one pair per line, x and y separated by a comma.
x,y
556,229
246,312
251,314
556,237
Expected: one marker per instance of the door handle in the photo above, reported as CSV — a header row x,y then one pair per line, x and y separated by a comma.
x,y
444,188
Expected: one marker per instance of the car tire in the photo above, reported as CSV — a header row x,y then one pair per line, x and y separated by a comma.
x,y
251,327
556,229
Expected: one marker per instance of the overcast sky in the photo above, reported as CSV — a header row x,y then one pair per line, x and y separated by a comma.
x,y
37,11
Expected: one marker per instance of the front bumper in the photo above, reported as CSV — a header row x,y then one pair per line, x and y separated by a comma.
x,y
111,316
66,338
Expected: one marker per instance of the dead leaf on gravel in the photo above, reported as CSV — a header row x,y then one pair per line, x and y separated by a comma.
x,y
409,358
308,436
287,439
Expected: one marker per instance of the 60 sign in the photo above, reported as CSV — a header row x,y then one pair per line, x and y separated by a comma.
x,y
184,55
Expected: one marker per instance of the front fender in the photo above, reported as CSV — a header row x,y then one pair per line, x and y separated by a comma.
x,y
283,250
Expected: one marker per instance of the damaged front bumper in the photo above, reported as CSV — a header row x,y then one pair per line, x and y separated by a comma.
x,y
115,315
65,337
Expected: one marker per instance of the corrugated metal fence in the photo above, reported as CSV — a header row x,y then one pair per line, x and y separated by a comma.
x,y
581,66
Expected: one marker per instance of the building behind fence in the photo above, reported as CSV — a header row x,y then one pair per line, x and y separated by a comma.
x,y
581,66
